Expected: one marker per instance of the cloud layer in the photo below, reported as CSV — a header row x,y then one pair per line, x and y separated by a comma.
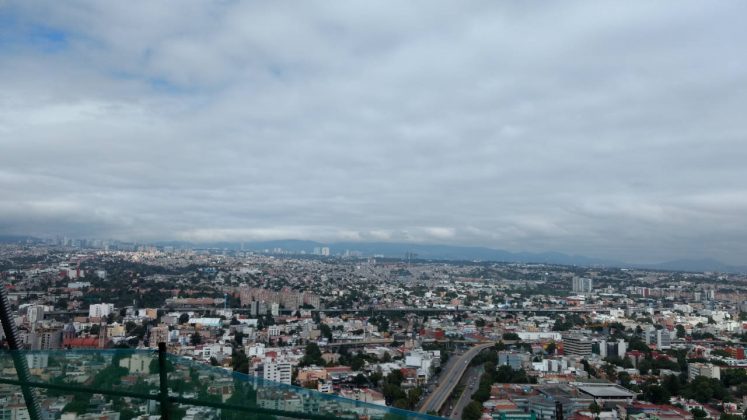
x,y
607,129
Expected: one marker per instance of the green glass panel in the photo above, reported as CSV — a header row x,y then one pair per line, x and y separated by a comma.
x,y
127,382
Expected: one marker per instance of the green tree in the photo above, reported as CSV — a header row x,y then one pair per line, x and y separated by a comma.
x,y
702,389
699,413
559,325
644,366
360,380
312,355
413,397
656,394
672,384
731,377
624,379
610,372
325,331
381,321
393,393
238,338
357,363
79,404
681,333
395,377
588,368
510,336
127,414
240,362
472,411
720,352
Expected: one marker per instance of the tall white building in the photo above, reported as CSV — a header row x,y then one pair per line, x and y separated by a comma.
x,y
622,348
582,285
607,349
100,310
35,313
325,251
661,338
577,345
277,371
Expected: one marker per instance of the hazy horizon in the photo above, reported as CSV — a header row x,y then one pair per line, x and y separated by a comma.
x,y
609,130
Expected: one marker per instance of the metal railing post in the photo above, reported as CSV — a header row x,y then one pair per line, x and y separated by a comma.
x,y
19,361
163,383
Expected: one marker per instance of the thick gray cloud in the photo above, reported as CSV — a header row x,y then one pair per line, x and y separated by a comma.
x,y
608,129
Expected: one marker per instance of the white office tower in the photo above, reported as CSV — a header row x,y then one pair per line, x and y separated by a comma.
x,y
622,348
100,310
603,349
609,349
576,345
277,371
661,338
35,313
582,285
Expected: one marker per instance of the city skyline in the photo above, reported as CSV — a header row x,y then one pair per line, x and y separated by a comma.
x,y
390,250
605,130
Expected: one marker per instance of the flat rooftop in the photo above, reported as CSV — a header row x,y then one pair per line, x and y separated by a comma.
x,y
606,391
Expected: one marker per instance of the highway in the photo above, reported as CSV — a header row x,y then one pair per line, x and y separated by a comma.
x,y
449,379
470,381
371,310
463,309
379,341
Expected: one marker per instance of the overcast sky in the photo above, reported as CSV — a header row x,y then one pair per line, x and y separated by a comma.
x,y
614,130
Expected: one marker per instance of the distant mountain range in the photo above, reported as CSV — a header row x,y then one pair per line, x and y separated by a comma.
x,y
705,264
465,253
437,252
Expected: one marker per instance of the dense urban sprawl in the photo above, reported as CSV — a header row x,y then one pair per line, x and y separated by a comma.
x,y
459,339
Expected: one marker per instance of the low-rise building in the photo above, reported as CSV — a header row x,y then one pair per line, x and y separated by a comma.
x,y
708,370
